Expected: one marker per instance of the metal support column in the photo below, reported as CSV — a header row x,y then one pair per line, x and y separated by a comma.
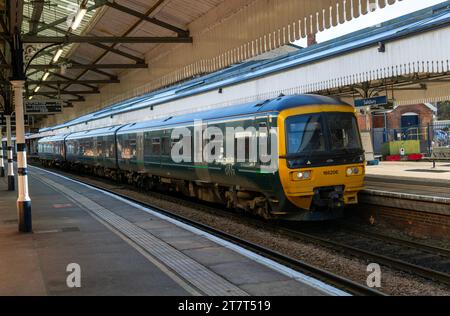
x,y
23,201
17,80
9,148
2,164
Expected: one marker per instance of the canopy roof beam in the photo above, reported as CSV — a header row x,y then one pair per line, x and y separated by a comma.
x,y
99,45
126,33
38,6
61,92
105,39
179,31
52,95
98,4
90,66
81,82
70,61
84,83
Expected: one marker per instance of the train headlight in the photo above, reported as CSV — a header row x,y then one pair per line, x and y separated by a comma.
x,y
304,175
354,171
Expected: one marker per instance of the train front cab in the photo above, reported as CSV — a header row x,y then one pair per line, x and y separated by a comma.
x,y
322,163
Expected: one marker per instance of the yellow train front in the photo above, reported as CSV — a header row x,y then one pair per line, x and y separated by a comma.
x,y
322,164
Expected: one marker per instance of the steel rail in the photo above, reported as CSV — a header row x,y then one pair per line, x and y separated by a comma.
x,y
401,242
364,254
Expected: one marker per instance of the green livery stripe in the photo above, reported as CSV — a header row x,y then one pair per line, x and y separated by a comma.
x,y
197,167
255,171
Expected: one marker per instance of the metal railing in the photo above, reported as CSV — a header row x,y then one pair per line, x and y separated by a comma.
x,y
434,135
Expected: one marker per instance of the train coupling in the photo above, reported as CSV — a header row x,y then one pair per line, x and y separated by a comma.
x,y
329,197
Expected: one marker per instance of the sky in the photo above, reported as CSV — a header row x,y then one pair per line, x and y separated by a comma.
x,y
373,18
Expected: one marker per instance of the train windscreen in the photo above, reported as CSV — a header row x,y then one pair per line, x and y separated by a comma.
x,y
344,133
305,133
323,139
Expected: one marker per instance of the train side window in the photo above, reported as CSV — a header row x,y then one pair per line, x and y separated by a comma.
x,y
133,148
99,148
165,146
148,145
156,146
88,148
109,147
129,149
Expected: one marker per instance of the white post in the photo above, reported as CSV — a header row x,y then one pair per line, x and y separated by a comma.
x,y
11,181
2,164
23,201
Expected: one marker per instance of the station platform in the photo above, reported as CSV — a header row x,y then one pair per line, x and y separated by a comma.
x,y
409,170
416,179
414,186
411,197
125,249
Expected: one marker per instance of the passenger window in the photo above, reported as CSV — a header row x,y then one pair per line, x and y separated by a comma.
x,y
129,149
166,146
156,146
99,148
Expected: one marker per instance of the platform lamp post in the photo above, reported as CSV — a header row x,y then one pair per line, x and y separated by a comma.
x,y
18,81
9,150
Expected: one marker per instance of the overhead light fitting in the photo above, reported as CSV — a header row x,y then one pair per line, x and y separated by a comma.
x,y
37,89
45,76
58,54
30,97
79,17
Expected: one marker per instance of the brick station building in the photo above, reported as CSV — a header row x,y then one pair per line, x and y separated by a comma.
x,y
402,122
401,117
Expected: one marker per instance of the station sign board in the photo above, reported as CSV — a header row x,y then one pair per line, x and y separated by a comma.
x,y
43,107
376,101
28,120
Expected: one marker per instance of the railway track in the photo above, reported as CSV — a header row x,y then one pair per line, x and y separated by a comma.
x,y
426,261
422,260
342,283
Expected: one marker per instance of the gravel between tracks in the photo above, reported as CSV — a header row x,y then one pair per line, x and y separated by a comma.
x,y
393,282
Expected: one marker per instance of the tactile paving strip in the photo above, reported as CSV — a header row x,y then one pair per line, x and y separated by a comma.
x,y
193,272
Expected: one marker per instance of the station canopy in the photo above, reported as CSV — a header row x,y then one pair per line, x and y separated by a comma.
x,y
104,42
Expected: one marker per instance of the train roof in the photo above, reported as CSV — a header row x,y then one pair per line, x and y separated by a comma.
x,y
253,108
105,131
54,138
